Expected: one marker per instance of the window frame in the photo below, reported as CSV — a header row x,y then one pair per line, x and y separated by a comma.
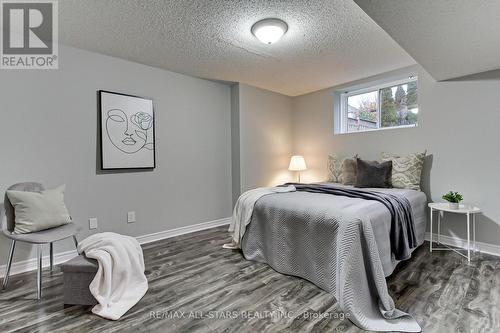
x,y
344,96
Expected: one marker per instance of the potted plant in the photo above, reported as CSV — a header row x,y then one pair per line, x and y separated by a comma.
x,y
454,199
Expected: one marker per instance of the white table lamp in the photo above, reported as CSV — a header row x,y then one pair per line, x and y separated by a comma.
x,y
297,163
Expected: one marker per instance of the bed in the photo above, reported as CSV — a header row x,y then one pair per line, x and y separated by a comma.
x,y
339,243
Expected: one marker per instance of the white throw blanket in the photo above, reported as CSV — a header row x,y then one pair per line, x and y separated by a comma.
x,y
120,281
242,212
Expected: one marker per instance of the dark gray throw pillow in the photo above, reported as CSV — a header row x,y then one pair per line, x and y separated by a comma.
x,y
373,173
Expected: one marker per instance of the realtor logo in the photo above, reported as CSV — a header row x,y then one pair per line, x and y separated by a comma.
x,y
29,34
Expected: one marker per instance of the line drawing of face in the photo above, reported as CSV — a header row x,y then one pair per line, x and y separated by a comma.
x,y
129,135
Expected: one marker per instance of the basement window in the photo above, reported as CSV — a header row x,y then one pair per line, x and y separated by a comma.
x,y
383,106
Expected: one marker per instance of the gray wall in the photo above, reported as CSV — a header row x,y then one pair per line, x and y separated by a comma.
x,y
265,137
458,125
214,141
49,134
235,142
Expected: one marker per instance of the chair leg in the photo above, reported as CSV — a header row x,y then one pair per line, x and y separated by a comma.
x,y
39,275
9,263
76,241
51,256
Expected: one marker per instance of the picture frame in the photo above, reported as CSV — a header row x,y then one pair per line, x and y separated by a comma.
x,y
127,131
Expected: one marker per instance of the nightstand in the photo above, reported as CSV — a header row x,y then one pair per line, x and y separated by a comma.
x,y
469,211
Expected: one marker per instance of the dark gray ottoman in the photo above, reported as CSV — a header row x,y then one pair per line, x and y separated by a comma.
x,y
77,275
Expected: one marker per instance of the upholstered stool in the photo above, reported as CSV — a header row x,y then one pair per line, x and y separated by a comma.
x,y
77,275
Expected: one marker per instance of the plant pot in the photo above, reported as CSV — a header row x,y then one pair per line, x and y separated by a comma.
x,y
454,205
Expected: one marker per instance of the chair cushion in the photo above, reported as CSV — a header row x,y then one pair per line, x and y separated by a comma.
x,y
35,211
45,236
9,209
80,264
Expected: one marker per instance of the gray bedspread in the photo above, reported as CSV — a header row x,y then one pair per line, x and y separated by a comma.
x,y
339,243
402,232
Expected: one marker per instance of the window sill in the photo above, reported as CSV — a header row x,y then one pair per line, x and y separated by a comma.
x,y
378,129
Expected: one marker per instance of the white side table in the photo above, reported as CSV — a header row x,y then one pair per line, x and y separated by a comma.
x,y
469,211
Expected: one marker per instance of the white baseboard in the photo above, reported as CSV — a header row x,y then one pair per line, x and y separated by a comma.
x,y
462,243
30,264
59,258
182,230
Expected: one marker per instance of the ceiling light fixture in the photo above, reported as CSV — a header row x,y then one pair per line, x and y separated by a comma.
x,y
269,30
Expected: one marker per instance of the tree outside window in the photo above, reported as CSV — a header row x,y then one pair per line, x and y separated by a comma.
x,y
389,106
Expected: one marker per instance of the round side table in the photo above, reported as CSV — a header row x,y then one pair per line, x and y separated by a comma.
x,y
469,211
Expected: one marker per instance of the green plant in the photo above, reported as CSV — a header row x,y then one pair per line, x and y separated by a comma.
x,y
454,197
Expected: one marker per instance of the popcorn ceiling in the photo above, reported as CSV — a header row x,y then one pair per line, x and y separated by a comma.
x,y
328,42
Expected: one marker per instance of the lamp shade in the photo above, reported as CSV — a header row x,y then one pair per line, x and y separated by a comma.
x,y
297,163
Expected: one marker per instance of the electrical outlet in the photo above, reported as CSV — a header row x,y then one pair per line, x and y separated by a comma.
x,y
131,217
93,223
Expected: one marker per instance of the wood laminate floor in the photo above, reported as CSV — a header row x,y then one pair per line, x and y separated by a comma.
x,y
196,286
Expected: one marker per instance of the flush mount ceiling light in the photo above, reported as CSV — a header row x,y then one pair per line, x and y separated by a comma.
x,y
269,30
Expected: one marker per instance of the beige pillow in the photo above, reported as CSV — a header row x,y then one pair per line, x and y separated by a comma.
x,y
335,168
406,170
37,211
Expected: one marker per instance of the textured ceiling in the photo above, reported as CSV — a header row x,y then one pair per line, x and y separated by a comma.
x,y
449,38
328,42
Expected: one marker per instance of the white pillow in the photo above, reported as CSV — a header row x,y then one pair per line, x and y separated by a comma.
x,y
37,211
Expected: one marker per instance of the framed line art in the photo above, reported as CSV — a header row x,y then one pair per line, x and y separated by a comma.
x,y
127,131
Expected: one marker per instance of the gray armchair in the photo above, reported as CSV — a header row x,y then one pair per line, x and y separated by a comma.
x,y
38,238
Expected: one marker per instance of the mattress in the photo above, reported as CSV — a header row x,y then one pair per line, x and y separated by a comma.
x,y
317,206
